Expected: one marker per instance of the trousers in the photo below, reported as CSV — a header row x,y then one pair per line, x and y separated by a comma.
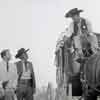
x,y
8,95
24,91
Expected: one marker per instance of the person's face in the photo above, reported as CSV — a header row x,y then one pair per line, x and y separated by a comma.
x,y
24,56
76,18
8,55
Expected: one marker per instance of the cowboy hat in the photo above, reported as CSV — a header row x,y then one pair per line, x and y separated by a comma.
x,y
20,52
73,12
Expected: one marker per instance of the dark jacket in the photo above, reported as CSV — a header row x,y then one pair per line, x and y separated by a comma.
x,y
19,66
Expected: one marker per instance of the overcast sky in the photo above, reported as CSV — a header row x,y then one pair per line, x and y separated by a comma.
x,y
36,24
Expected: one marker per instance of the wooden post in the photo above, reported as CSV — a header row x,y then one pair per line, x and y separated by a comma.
x,y
70,92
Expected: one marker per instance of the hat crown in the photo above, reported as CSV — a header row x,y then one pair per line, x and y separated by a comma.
x,y
20,52
73,12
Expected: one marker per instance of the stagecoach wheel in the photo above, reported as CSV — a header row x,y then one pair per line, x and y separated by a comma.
x,y
77,98
82,98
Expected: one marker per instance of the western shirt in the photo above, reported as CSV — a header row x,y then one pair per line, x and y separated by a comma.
x,y
26,73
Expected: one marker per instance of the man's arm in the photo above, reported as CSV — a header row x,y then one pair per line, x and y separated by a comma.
x,y
33,79
94,43
89,26
15,76
70,30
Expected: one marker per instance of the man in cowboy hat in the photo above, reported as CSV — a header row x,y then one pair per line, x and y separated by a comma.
x,y
78,27
26,80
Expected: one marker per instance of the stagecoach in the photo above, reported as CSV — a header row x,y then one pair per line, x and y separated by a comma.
x,y
82,80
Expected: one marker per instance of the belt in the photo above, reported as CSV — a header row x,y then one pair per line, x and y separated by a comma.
x,y
25,82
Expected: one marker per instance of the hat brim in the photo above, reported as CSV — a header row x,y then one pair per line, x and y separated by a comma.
x,y
69,14
18,55
79,11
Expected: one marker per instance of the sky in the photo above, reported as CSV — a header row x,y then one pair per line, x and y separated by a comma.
x,y
36,24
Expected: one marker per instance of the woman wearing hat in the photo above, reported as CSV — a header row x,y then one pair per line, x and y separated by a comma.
x,y
26,80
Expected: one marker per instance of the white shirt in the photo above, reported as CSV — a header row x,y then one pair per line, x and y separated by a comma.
x,y
93,39
26,74
68,32
71,27
10,76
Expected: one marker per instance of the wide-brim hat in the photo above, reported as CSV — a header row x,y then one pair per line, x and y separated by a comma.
x,y
73,12
20,52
